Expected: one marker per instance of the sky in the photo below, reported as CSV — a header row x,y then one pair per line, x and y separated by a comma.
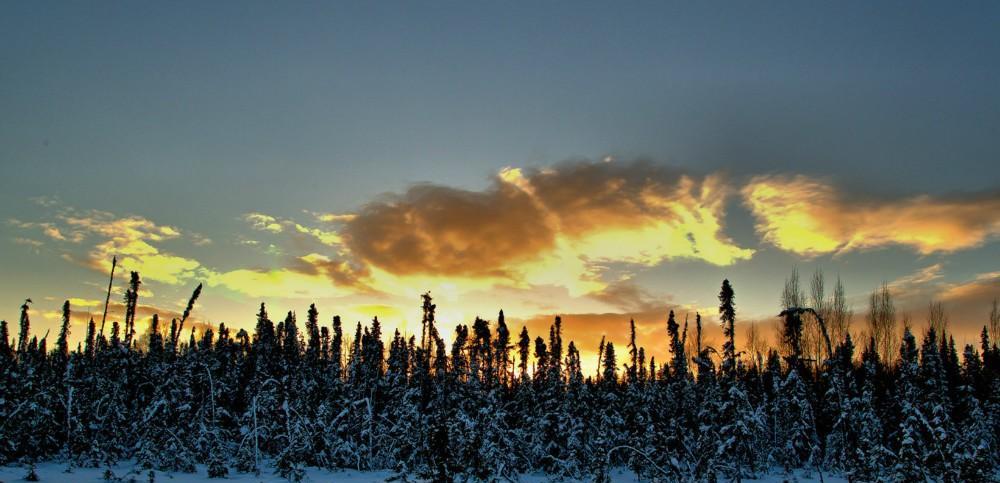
x,y
598,161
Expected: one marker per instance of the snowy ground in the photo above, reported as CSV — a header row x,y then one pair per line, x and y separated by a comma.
x,y
56,472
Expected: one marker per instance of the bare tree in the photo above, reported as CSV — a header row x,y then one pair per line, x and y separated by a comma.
x,y
812,337
840,313
906,320
937,319
882,324
756,345
792,296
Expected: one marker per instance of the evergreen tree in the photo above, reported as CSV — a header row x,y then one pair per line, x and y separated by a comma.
x,y
275,400
727,315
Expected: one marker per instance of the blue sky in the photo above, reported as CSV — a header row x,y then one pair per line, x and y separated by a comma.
x,y
194,115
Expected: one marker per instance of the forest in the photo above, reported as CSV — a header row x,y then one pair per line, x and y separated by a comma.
x,y
498,403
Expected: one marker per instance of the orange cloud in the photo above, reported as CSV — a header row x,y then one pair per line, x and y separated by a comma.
x,y
809,217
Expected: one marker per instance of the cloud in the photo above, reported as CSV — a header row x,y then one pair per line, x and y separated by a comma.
x,y
981,290
917,279
46,201
810,217
200,240
437,229
80,302
562,225
49,230
262,222
627,296
133,240
29,242
326,237
138,243
311,276
333,217
272,224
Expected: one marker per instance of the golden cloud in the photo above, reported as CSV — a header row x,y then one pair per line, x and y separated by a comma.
x,y
809,217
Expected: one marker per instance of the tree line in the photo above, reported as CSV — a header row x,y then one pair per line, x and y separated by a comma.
x,y
496,403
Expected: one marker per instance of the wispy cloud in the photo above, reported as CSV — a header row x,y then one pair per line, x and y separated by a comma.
x,y
275,225
918,279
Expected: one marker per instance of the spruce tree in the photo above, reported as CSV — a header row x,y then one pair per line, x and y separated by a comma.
x,y
727,315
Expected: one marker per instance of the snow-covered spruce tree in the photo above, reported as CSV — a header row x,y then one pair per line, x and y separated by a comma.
x,y
637,415
799,442
276,401
30,398
494,446
441,463
936,406
574,415
464,399
335,448
914,440
704,451
402,404
522,402
741,432
608,424
7,384
839,401
740,423
673,407
258,426
550,447
869,458
973,448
